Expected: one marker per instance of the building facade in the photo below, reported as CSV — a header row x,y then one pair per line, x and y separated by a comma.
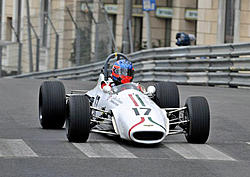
x,y
87,33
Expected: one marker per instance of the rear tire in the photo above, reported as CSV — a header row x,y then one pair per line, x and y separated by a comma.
x,y
199,116
52,105
78,119
167,96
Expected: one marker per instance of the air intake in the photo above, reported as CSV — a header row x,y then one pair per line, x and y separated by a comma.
x,y
147,135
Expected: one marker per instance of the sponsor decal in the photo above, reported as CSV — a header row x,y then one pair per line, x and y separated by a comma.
x,y
112,101
148,125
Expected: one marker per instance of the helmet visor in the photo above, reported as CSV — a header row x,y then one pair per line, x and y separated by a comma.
x,y
124,71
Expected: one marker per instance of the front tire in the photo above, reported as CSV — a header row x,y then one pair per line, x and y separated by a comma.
x,y
78,119
199,120
52,105
167,96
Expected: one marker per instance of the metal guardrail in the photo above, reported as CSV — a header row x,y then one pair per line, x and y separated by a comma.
x,y
226,64
225,50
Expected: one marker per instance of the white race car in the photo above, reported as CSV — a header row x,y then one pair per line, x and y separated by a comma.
x,y
140,116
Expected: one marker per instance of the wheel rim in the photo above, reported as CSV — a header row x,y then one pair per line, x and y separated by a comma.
x,y
40,107
187,125
40,113
67,120
67,126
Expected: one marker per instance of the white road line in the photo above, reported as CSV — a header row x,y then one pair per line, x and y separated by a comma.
x,y
248,143
88,149
198,151
15,148
104,150
118,151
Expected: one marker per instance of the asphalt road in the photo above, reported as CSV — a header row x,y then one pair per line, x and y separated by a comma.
x,y
27,150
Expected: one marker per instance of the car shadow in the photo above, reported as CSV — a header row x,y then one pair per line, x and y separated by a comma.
x,y
128,143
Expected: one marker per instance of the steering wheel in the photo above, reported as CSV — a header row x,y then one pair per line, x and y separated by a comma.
x,y
111,56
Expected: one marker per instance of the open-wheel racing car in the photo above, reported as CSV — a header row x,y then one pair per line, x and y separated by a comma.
x,y
140,116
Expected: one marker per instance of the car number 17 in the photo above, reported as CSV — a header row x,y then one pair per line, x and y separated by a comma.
x,y
141,111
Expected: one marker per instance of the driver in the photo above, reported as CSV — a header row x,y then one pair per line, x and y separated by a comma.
x,y
122,73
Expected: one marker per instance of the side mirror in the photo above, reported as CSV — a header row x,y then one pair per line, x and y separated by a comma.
x,y
107,89
151,89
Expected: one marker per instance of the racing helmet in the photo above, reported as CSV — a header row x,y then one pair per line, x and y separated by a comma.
x,y
122,72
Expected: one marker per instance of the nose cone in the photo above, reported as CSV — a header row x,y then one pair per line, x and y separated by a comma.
x,y
147,131
139,119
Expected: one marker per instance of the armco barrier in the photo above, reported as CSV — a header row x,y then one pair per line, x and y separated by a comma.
x,y
227,64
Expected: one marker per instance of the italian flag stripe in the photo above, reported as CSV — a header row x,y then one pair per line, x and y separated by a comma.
x,y
142,120
132,98
138,97
156,123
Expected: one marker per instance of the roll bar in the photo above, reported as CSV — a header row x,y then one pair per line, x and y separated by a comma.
x,y
113,55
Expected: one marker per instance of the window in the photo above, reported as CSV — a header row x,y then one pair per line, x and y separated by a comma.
x,y
112,20
229,21
137,2
169,3
9,29
137,32
45,11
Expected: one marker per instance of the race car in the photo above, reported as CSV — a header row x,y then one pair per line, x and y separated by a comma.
x,y
142,116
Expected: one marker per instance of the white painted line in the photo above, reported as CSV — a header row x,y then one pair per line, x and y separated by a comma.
x,y
118,151
88,149
104,150
198,151
248,143
15,148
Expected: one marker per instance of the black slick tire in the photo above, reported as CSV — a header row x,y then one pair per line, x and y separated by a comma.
x,y
198,115
78,119
167,96
52,105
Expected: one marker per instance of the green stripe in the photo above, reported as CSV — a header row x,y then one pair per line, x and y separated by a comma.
x,y
156,123
140,100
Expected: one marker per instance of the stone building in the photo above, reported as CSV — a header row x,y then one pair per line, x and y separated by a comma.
x,y
211,21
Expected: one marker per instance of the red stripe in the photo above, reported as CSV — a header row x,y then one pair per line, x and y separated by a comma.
x,y
142,120
131,97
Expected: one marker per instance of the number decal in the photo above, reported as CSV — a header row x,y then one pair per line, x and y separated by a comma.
x,y
148,110
137,112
